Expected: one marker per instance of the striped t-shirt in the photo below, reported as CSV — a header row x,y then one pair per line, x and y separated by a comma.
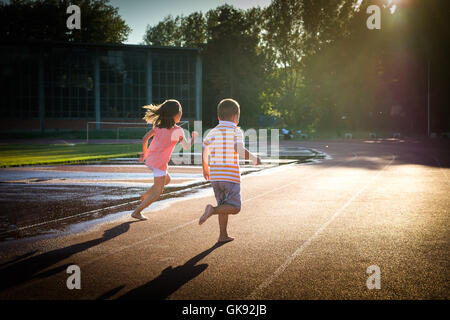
x,y
224,160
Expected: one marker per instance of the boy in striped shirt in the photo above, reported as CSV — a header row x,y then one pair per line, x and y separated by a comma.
x,y
225,143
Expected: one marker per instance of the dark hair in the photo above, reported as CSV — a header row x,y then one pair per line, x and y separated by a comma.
x,y
227,108
162,115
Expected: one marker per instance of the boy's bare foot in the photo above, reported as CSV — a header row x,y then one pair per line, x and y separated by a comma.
x,y
138,216
208,212
225,239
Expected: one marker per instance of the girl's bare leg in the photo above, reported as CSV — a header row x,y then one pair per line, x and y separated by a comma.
x,y
158,188
145,195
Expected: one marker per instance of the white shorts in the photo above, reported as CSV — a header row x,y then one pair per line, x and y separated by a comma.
x,y
157,172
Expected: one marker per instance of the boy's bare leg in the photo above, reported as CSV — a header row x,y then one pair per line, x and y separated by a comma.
x,y
223,235
222,211
208,213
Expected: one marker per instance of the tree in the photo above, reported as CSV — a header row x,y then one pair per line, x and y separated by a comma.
x,y
425,32
24,20
193,30
315,64
346,77
233,62
179,31
165,33
296,31
229,41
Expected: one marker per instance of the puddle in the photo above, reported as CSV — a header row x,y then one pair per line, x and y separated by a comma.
x,y
45,201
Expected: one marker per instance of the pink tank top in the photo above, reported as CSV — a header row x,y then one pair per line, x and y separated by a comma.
x,y
164,140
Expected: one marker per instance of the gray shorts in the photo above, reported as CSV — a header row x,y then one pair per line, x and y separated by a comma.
x,y
227,193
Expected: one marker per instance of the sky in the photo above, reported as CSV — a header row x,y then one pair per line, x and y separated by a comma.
x,y
139,13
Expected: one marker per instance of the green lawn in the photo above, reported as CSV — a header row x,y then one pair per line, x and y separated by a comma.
x,y
19,155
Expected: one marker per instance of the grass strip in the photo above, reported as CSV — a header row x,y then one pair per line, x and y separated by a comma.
x,y
21,155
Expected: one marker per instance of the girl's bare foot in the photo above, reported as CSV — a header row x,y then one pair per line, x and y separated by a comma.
x,y
225,239
138,216
208,212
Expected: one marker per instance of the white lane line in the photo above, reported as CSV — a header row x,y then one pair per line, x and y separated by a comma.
x,y
288,261
161,233
64,218
122,204
355,156
90,212
39,280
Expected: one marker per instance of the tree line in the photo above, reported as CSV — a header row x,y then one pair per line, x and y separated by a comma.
x,y
311,64
315,66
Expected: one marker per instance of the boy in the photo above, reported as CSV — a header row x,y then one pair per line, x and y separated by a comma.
x,y
225,142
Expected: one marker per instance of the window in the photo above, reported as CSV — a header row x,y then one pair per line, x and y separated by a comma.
x,y
19,83
123,74
69,83
172,76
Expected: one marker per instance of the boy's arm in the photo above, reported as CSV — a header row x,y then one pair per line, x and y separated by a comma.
x,y
239,147
205,153
247,155
188,144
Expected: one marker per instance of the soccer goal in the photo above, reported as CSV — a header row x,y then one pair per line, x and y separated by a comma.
x,y
138,129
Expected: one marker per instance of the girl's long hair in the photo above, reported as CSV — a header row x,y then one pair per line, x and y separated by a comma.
x,y
162,115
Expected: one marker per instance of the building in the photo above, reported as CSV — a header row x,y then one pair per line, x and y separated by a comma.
x,y
47,86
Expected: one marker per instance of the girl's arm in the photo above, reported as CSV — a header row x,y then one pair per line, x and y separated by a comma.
x,y
145,139
148,135
188,144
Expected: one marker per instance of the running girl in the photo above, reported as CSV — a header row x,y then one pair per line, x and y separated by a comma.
x,y
167,134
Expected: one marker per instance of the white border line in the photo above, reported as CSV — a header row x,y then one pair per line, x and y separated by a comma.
x,y
135,201
39,280
355,156
94,211
297,252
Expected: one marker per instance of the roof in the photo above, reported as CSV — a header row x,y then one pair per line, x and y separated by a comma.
x,y
98,45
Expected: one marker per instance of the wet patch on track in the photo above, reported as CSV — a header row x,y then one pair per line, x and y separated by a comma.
x,y
47,200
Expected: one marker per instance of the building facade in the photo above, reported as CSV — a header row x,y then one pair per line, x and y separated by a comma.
x,y
62,86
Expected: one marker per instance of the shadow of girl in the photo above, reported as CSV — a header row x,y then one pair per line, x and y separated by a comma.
x,y
29,269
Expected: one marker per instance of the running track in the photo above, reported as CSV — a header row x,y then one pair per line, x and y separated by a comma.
x,y
304,232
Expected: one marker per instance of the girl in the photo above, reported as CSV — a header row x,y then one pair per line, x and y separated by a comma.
x,y
167,134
